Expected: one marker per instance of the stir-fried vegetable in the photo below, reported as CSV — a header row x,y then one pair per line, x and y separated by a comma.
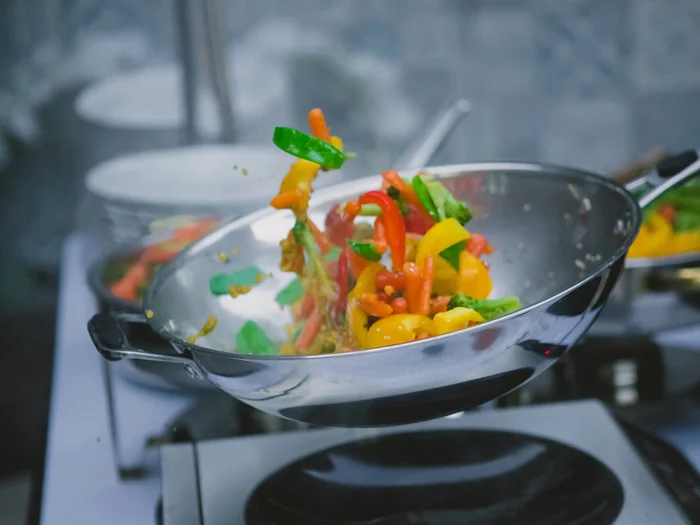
x,y
129,278
344,297
488,308
442,202
309,148
671,224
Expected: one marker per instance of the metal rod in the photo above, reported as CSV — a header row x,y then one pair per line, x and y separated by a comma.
x,y
214,41
421,150
186,51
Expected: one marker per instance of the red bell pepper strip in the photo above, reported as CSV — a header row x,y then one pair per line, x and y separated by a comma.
x,y
339,227
393,223
418,220
668,212
477,244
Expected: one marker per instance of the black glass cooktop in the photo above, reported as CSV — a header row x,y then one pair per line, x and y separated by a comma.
x,y
565,463
445,477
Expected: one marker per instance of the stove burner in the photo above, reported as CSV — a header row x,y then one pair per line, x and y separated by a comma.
x,y
409,408
445,477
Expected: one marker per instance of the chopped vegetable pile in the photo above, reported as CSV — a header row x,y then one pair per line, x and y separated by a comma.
x,y
408,270
129,277
671,224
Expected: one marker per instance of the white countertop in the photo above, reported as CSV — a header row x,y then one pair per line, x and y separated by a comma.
x,y
81,486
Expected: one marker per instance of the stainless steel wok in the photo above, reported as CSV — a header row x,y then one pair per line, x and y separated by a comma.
x,y
561,237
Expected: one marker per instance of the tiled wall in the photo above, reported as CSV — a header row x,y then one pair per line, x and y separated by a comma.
x,y
590,83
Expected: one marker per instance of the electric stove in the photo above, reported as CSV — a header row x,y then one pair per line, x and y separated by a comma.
x,y
564,463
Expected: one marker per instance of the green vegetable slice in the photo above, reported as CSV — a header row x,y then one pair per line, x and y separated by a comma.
x,y
446,206
334,253
687,221
291,293
251,339
488,308
365,249
451,254
248,276
424,197
309,148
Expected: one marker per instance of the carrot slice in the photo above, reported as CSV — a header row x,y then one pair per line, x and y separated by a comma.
x,y
386,278
323,243
399,305
439,304
371,304
310,331
317,123
426,286
412,280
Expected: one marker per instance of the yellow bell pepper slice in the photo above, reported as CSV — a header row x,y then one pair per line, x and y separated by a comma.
x,y
474,279
300,176
640,246
455,319
357,318
678,243
411,248
441,236
337,142
398,328
661,231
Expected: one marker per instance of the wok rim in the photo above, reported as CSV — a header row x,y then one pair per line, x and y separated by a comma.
x,y
327,193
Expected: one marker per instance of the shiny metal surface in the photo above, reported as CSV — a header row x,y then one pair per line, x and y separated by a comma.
x,y
560,235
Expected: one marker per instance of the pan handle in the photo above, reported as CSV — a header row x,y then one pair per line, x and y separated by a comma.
x,y
669,173
110,340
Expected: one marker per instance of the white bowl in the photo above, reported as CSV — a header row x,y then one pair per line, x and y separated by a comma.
x,y
128,194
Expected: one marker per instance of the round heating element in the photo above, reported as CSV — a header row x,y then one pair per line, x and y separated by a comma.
x,y
449,477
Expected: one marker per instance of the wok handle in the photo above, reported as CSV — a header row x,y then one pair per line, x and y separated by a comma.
x,y
110,340
669,173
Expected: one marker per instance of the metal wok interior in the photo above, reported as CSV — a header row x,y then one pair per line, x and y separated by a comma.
x,y
560,236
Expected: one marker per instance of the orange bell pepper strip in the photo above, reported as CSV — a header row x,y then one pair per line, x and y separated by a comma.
x,y
285,200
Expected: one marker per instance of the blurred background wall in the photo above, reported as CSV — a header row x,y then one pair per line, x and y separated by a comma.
x,y
590,83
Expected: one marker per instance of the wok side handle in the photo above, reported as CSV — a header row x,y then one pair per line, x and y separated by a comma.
x,y
110,340
669,173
